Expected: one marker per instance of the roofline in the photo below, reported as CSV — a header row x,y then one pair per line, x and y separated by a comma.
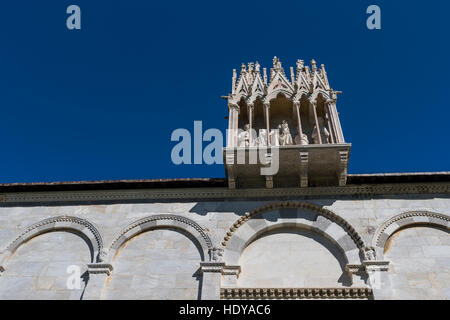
x,y
352,179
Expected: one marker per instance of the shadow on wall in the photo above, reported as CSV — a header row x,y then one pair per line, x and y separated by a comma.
x,y
292,256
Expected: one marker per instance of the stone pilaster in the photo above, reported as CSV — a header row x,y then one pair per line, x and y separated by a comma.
x,y
98,273
230,276
211,279
378,278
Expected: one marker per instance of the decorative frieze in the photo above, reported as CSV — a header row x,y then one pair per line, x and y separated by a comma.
x,y
296,293
222,193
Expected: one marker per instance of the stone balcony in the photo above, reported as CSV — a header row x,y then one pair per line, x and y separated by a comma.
x,y
298,166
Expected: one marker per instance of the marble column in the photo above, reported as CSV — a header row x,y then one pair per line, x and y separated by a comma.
x,y
331,127
250,122
314,107
336,121
299,120
266,117
233,124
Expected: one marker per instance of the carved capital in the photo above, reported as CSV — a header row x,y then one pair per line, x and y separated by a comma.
x,y
233,106
375,265
231,271
99,268
212,266
216,254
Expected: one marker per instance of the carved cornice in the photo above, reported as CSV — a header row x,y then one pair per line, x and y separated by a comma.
x,y
296,293
222,193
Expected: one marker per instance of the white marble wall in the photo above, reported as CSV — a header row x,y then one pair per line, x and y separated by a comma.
x,y
142,267
420,263
158,264
292,258
38,269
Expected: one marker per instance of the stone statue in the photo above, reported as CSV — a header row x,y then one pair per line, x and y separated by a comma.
x,y
216,254
303,140
257,66
285,134
274,137
276,63
244,137
369,253
262,139
323,132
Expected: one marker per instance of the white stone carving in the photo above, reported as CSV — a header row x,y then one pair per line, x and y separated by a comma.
x,y
285,134
323,132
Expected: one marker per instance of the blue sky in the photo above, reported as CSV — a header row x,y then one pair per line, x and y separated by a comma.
x,y
101,102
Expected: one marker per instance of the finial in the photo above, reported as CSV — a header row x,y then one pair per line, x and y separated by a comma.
x,y
322,66
242,68
257,66
300,64
265,75
250,66
275,61
314,65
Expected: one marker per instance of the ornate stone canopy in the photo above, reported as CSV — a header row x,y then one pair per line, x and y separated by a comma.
x,y
294,119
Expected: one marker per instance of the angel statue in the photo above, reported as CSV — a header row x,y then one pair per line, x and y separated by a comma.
x,y
285,134
323,132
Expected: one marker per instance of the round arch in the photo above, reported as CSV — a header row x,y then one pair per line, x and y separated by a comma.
x,y
162,221
411,218
79,226
292,214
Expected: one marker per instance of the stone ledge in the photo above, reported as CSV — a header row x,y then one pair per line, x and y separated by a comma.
x,y
296,293
221,193
98,268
